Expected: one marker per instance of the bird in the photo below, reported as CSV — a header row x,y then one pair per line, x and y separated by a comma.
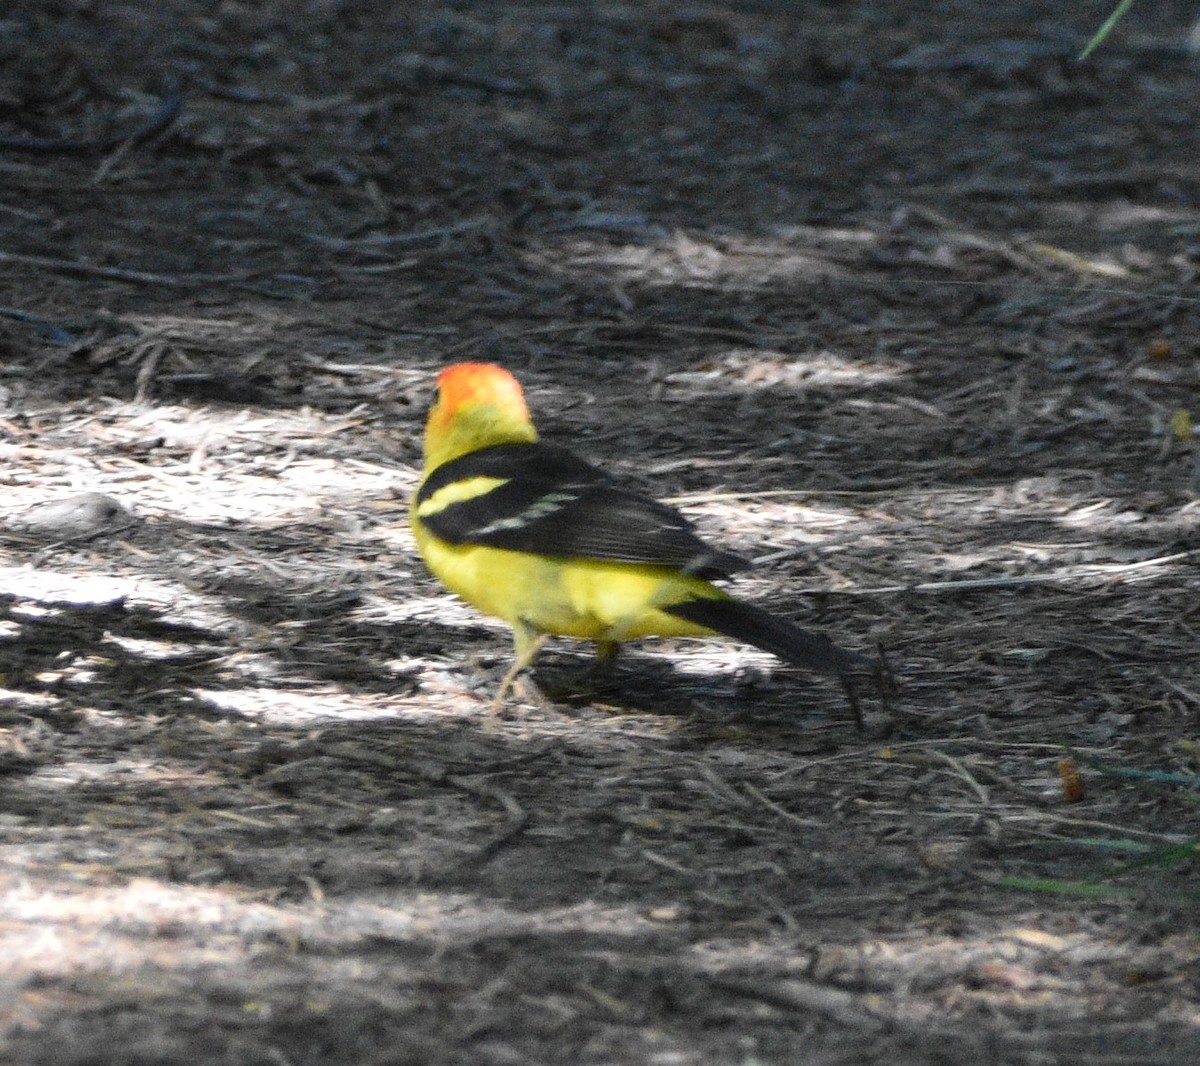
x,y
537,536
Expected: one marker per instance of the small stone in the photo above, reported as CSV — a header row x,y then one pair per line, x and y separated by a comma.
x,y
85,515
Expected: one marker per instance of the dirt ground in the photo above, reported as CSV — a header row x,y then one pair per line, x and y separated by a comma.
x,y
900,301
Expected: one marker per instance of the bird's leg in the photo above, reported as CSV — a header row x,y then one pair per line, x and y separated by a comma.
x,y
527,642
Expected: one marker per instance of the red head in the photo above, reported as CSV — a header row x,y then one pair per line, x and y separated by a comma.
x,y
478,405
468,384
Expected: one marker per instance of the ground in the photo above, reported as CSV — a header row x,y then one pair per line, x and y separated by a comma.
x,y
900,303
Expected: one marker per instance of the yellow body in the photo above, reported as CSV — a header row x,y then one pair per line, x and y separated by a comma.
x,y
601,601
607,602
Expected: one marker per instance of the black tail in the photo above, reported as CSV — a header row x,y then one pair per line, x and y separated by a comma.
x,y
753,625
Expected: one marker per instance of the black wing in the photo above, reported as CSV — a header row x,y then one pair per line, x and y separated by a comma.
x,y
552,502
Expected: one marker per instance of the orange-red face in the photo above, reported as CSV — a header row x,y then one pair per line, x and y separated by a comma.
x,y
478,384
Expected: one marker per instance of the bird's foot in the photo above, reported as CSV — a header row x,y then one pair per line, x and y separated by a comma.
x,y
518,686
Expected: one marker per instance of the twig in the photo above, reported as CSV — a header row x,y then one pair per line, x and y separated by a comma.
x,y
138,277
758,796
147,370
973,584
45,328
518,819
1092,823
794,994
655,859
168,111
388,240
961,771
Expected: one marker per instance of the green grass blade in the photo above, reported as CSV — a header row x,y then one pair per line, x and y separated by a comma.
x,y
1105,30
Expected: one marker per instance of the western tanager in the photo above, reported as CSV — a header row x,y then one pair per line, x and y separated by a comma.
x,y
544,540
